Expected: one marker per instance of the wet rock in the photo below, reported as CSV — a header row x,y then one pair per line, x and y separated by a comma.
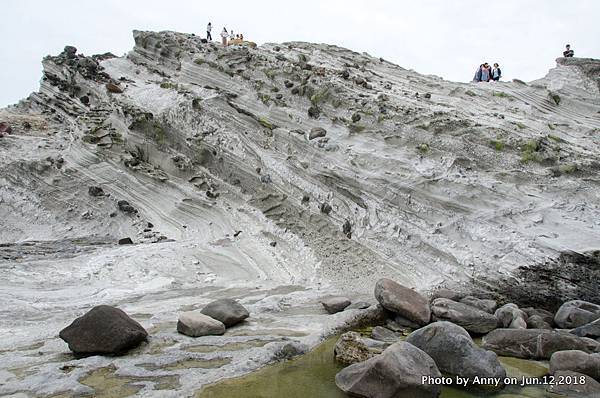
x,y
537,322
314,112
195,324
95,191
228,311
455,353
535,343
403,301
591,330
125,207
576,385
511,317
291,350
125,241
103,330
325,208
576,361
352,348
486,305
576,313
396,373
384,334
317,132
470,318
335,304
113,88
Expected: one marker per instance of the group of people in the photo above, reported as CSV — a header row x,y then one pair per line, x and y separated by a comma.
x,y
485,73
225,35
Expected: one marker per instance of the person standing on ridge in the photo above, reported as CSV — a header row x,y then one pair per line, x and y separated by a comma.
x,y
485,73
496,72
568,53
208,29
477,77
224,36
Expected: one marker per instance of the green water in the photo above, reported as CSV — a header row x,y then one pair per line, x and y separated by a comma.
x,y
313,374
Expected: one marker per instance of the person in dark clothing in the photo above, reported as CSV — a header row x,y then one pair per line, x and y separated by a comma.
x,y
208,29
496,72
568,53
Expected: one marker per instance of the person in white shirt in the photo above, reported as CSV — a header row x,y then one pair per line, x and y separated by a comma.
x,y
208,29
224,36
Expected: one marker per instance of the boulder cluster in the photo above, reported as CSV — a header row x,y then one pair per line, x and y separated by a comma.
x,y
440,342
106,330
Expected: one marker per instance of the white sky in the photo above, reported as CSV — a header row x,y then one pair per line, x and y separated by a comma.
x,y
446,38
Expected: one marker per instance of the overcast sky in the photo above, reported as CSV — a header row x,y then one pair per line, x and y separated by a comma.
x,y
446,38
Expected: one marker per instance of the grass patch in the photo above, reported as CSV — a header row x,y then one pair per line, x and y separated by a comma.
x,y
470,93
264,98
169,85
423,148
551,126
497,145
320,96
567,168
554,97
500,94
556,138
530,152
520,125
265,123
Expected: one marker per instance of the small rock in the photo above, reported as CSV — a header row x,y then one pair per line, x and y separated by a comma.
x,y
427,95
537,322
125,207
317,132
195,324
125,241
273,244
314,112
358,305
113,88
356,117
228,311
95,191
351,348
347,229
345,74
266,179
305,199
103,330
335,304
291,350
325,208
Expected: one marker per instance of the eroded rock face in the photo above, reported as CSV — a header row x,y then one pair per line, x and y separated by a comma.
x,y
576,361
535,343
396,373
576,313
196,324
472,319
103,330
403,301
455,353
228,311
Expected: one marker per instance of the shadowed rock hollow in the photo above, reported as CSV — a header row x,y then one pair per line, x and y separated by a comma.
x,y
277,175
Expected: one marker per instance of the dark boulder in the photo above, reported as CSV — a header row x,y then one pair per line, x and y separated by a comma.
x,y
228,311
70,52
103,330
535,343
455,353
125,241
470,318
314,111
397,373
317,132
576,313
125,207
356,118
403,301
113,88
325,208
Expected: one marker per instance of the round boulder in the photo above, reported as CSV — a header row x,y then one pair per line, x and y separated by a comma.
x,y
103,330
403,301
576,361
591,330
575,385
397,373
455,353
511,317
228,311
486,305
195,324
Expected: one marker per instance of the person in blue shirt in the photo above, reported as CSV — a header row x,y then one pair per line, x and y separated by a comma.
x,y
496,72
